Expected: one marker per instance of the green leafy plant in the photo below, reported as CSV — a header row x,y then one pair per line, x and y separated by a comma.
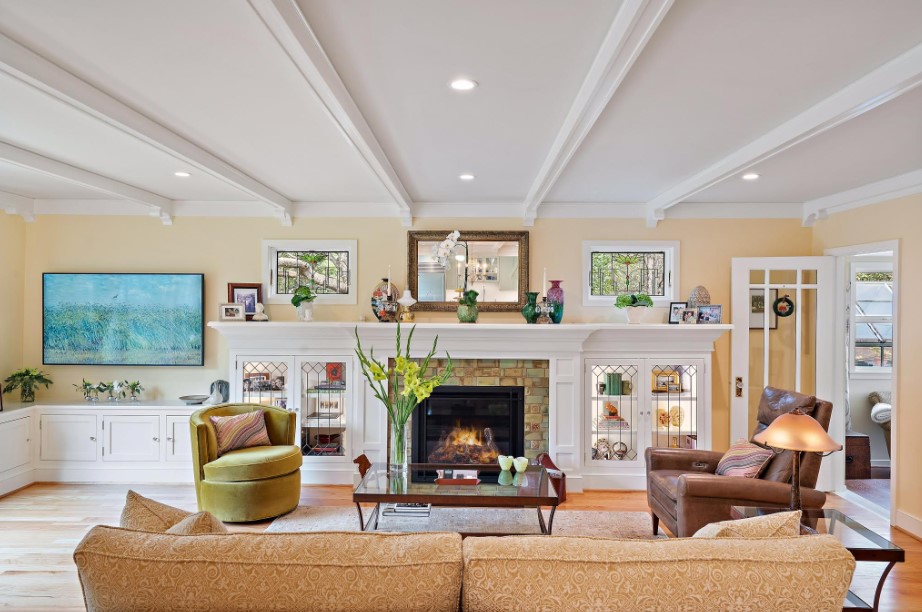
x,y
105,387
303,294
134,388
408,388
87,388
634,299
469,298
26,380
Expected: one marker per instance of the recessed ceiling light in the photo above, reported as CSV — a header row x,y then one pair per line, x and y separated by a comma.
x,y
750,176
463,84
466,177
182,174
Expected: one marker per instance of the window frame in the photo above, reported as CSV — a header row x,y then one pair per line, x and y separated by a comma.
x,y
854,319
270,249
670,268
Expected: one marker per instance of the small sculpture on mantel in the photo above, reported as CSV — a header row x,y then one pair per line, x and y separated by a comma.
x,y
260,313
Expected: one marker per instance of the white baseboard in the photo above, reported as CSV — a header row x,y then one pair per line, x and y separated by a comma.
x,y
909,523
121,476
18,481
880,463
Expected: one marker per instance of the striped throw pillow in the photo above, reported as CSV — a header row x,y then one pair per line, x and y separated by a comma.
x,y
744,460
241,431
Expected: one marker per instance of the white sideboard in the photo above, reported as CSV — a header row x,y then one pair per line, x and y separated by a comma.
x,y
130,442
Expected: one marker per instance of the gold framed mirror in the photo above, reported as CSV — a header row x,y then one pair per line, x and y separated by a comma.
x,y
495,264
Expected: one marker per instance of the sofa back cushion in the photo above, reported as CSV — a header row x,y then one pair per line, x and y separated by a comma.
x,y
198,524
776,524
132,570
691,574
240,431
143,514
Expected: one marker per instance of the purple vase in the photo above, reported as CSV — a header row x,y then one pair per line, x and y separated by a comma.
x,y
555,297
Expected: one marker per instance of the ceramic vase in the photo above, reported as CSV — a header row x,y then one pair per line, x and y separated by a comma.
x,y
530,310
384,301
555,297
467,314
306,311
635,314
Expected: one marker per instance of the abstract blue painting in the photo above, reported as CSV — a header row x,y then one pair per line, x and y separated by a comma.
x,y
123,319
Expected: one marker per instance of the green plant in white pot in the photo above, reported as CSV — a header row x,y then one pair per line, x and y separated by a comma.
x,y
27,381
303,299
635,305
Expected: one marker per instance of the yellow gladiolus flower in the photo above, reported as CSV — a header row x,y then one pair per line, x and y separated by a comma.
x,y
377,372
400,365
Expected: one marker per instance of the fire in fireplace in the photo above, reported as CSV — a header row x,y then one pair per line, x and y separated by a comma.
x,y
469,424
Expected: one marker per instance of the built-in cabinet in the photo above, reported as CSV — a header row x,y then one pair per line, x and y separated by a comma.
x,y
15,443
131,437
68,437
178,439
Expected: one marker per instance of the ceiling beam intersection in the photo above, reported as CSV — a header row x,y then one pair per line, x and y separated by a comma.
x,y
13,204
630,31
877,87
160,206
291,29
24,64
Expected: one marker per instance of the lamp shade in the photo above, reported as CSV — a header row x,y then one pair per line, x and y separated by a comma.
x,y
798,432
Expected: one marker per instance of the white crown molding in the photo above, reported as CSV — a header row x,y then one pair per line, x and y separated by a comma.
x,y
159,206
13,204
879,86
26,65
737,210
631,29
289,26
872,193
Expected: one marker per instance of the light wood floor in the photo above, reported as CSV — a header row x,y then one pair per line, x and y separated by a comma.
x,y
41,524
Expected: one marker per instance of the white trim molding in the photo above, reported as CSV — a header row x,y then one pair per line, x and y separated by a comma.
x,y
873,193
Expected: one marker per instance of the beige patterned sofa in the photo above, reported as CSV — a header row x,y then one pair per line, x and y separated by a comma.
x,y
122,569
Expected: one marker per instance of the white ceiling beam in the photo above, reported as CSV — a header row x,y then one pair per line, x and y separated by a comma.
x,y
872,193
290,28
24,64
631,29
879,86
13,204
160,206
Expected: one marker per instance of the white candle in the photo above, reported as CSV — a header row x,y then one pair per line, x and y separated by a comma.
x,y
544,283
388,282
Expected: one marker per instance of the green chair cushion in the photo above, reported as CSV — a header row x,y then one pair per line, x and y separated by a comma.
x,y
254,463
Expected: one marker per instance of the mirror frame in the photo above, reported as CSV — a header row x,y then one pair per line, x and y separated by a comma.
x,y
413,240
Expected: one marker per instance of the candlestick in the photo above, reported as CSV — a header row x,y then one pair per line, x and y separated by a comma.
x,y
544,282
388,282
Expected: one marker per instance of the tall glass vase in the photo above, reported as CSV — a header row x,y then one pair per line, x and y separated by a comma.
x,y
530,310
555,297
399,448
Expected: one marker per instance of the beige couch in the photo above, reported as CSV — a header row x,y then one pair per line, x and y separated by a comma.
x,y
121,569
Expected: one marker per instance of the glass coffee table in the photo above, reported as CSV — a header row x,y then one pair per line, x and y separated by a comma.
x,y
861,542
496,489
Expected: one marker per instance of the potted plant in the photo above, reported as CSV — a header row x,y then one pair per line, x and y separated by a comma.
x,y
467,307
303,299
26,380
635,304
109,388
89,390
134,388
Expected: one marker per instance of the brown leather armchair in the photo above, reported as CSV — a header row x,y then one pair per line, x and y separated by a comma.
x,y
685,494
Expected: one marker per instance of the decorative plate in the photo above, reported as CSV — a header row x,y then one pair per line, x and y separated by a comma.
x,y
193,400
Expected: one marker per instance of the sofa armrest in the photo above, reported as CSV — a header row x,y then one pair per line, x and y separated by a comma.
x,y
739,491
691,460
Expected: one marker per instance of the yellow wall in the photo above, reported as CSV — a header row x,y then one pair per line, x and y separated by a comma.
x,y
897,220
12,252
228,250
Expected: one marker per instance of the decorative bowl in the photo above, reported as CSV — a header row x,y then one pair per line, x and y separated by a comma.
x,y
193,400
505,462
520,463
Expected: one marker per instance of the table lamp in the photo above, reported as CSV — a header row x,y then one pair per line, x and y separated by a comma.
x,y
797,432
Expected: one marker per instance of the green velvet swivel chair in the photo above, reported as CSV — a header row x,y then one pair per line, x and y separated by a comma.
x,y
247,484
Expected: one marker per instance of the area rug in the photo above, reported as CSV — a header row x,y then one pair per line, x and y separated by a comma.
x,y
625,525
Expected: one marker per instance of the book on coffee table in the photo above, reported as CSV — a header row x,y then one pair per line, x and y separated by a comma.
x,y
407,509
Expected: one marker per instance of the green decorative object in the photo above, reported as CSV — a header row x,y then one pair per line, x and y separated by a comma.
x,y
26,380
467,307
404,389
634,299
530,310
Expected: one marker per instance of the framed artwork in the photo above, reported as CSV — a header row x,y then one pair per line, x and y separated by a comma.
x,y
335,371
665,381
757,309
709,314
123,319
674,309
248,294
688,316
231,312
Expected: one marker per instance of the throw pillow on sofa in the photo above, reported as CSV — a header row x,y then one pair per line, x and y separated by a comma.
x,y
778,524
143,514
198,524
240,431
744,460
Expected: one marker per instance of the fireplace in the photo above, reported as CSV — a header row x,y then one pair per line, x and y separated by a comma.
x,y
469,424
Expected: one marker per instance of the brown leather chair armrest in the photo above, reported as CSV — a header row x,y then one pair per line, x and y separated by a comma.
x,y
745,491
692,460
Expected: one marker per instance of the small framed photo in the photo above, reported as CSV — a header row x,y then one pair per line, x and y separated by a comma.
x,y
674,309
665,381
757,309
709,314
248,294
688,316
231,312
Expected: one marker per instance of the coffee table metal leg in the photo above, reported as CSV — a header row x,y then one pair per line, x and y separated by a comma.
x,y
880,584
361,518
550,520
541,522
372,523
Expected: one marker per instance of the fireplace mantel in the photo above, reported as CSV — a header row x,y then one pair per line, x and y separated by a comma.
x,y
568,349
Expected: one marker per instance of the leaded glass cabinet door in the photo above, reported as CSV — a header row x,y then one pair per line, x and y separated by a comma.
x,y
676,391
616,413
263,380
325,384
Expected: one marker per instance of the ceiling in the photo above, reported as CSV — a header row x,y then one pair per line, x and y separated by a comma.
x,y
587,108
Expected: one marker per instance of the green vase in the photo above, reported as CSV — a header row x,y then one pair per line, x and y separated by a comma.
x,y
467,314
530,310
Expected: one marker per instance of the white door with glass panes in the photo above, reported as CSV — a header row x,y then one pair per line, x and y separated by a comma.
x,y
325,388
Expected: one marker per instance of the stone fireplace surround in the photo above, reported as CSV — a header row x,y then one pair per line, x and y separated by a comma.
x,y
563,347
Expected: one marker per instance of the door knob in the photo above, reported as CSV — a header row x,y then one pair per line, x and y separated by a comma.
x,y
156,439
168,438
93,438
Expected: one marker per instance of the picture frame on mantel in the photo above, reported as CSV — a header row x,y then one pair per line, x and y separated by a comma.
x,y
248,294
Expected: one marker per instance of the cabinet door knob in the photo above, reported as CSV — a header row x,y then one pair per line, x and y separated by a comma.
x,y
169,439
156,439
93,438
